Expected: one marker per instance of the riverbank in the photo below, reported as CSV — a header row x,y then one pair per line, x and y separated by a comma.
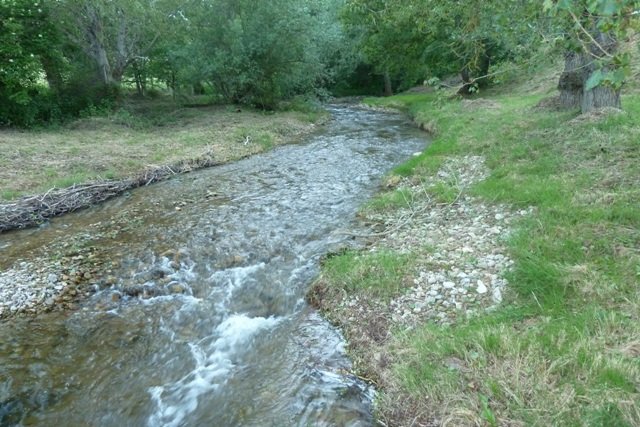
x,y
100,158
53,171
500,284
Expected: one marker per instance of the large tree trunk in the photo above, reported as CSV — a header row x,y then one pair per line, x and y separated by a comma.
x,y
103,65
578,68
97,50
600,96
572,80
122,53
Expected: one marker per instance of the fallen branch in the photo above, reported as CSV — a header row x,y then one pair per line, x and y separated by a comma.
x,y
33,210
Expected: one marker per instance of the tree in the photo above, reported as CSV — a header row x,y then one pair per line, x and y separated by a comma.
x,y
29,45
111,33
417,38
388,39
595,68
259,52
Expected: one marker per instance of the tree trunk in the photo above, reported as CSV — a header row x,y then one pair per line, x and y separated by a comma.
x,y
104,68
97,50
122,52
600,96
388,88
475,74
137,75
470,84
572,80
578,68
172,84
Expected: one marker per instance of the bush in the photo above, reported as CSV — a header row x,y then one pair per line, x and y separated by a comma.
x,y
28,108
85,98
37,106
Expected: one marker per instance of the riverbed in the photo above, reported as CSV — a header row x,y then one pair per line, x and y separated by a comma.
x,y
205,322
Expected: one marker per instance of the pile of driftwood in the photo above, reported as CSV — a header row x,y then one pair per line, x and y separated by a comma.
x,y
33,210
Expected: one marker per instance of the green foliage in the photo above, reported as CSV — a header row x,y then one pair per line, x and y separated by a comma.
x,y
596,27
419,39
71,56
379,274
261,53
26,38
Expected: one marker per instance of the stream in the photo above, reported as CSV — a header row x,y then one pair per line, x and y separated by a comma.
x,y
223,336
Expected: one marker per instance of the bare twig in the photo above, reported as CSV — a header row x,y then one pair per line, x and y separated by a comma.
x,y
33,210
593,40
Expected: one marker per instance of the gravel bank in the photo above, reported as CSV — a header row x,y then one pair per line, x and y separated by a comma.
x,y
39,285
461,257
459,262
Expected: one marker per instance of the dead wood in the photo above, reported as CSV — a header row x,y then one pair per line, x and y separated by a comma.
x,y
29,211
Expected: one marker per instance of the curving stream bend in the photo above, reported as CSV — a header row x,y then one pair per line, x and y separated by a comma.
x,y
225,338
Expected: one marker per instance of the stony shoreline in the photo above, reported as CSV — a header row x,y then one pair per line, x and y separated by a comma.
x,y
459,268
64,272
30,289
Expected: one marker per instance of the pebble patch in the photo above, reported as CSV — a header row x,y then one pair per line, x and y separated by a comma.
x,y
460,247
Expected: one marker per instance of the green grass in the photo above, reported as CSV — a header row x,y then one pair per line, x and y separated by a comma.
x,y
76,178
564,348
399,198
10,194
142,133
378,274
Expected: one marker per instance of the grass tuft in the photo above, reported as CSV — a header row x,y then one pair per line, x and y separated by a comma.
x,y
379,274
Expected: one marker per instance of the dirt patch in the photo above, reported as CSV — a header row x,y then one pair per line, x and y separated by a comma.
x,y
480,104
596,115
551,103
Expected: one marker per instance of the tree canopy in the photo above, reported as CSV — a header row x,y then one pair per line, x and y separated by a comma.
x,y
59,57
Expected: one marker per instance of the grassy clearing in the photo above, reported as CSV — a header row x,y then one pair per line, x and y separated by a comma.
x,y
144,133
564,349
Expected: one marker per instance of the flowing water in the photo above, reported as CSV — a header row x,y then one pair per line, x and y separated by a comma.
x,y
236,346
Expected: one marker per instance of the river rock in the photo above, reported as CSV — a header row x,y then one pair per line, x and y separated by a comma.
x,y
133,290
177,288
481,288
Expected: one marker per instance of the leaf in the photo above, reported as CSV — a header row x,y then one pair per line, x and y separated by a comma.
x,y
594,80
616,78
565,5
608,7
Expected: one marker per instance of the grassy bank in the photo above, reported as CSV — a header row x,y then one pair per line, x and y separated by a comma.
x,y
563,348
140,135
